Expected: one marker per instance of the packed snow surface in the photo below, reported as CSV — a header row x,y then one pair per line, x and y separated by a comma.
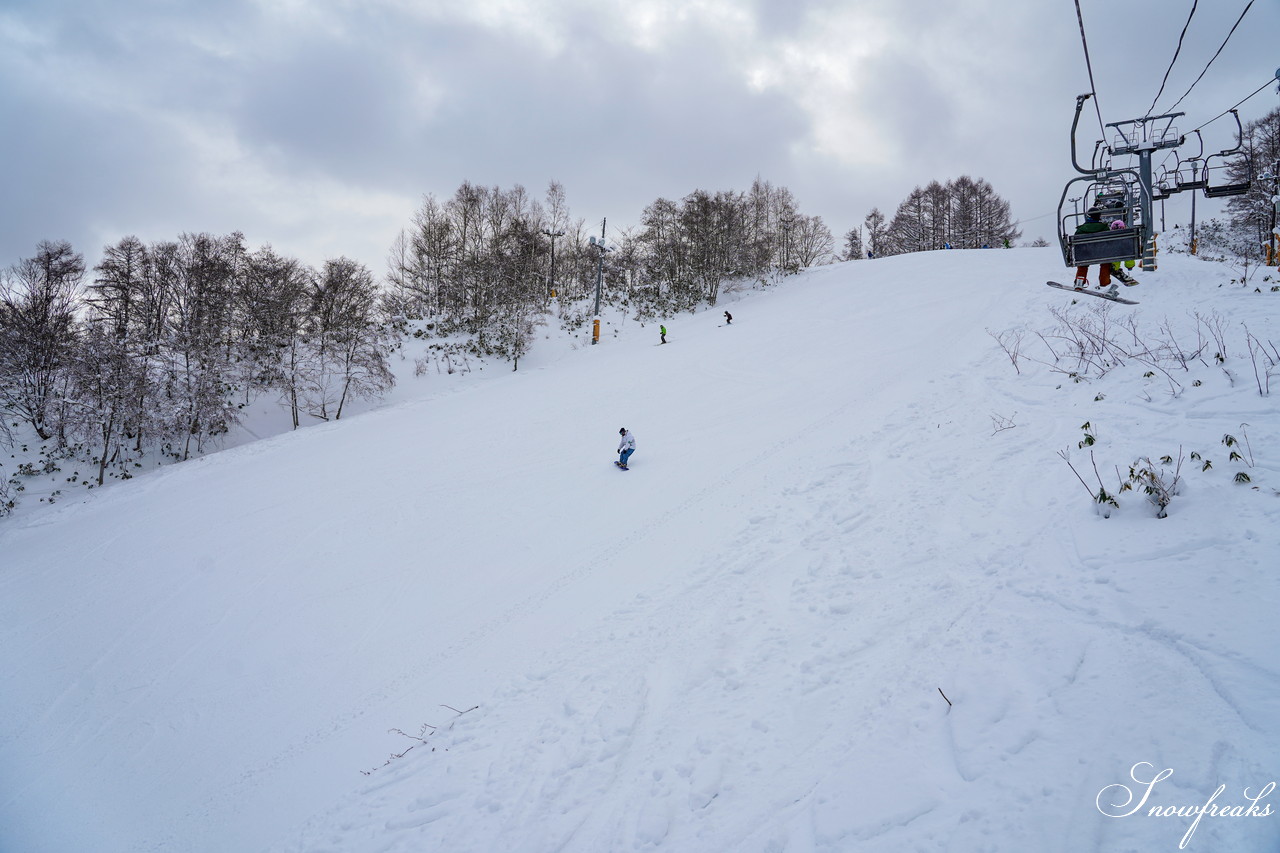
x,y
849,597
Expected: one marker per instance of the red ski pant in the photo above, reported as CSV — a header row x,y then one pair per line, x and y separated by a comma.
x,y
1104,274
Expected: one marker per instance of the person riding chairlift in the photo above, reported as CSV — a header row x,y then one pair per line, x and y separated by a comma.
x,y
1092,224
1116,270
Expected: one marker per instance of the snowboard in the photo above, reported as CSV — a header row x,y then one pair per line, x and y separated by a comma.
x,y
620,466
1101,294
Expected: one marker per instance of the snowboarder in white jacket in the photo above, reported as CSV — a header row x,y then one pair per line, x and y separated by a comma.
x,y
626,446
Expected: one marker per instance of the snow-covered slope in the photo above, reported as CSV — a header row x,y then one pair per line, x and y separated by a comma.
x,y
842,507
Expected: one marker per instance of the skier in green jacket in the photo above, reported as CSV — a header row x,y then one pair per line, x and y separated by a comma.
x,y
1092,225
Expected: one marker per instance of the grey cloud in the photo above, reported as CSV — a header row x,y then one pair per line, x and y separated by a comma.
x,y
636,122
98,118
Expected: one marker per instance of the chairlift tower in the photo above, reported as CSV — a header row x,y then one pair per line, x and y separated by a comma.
x,y
1141,137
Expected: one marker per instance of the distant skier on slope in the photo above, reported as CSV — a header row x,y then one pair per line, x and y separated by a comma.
x,y
728,319
626,446
662,333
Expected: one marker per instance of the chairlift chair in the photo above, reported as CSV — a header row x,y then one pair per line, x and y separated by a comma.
x,y
1112,201
1163,186
1114,197
1188,176
1212,190
1115,194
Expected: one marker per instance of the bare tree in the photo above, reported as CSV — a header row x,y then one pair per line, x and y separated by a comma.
x,y
813,241
914,228
38,298
852,245
344,353
199,359
106,380
270,305
877,233
961,214
1254,212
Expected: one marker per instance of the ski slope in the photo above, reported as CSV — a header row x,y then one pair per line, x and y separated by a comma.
x,y
848,597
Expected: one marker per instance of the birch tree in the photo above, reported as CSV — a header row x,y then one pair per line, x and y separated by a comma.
x,y
344,352
38,299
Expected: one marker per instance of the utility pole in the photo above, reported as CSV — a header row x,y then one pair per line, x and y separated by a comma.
x,y
1272,248
1273,254
786,223
599,244
1275,206
551,286
1193,223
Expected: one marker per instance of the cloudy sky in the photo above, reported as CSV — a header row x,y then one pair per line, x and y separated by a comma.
x,y
318,125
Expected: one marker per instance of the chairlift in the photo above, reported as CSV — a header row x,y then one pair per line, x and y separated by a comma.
x,y
1188,175
1101,159
1111,203
1212,190
1113,198
1162,188
1111,194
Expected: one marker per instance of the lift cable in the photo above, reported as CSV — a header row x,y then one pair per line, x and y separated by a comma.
x,y
1089,65
1177,50
1215,56
1238,103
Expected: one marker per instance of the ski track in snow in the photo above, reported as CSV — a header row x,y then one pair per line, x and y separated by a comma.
x,y
761,644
